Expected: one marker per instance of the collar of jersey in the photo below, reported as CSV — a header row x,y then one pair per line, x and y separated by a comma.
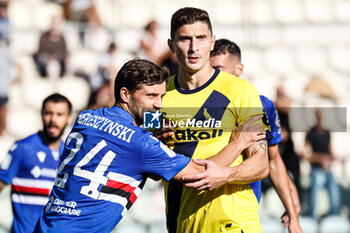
x,y
123,114
182,91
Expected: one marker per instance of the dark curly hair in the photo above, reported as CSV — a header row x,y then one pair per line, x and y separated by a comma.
x,y
138,72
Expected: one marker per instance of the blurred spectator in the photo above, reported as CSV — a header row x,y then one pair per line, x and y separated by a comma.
x,y
104,96
290,158
171,63
83,12
319,152
7,76
283,104
4,20
30,165
101,89
151,45
52,53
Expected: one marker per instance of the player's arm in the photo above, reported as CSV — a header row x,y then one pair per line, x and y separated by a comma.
x,y
281,182
255,167
252,169
246,136
295,198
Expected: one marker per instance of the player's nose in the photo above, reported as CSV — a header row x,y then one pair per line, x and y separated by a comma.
x,y
158,103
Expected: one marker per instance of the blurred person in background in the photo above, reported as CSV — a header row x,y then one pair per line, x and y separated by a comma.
x,y
10,71
83,12
52,53
171,63
151,45
226,56
101,81
31,163
283,103
290,158
318,151
5,26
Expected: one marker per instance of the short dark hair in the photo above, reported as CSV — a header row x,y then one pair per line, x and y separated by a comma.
x,y
56,98
223,46
138,72
188,15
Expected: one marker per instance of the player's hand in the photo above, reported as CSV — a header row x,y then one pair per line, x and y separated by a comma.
x,y
285,219
292,225
163,133
213,176
249,133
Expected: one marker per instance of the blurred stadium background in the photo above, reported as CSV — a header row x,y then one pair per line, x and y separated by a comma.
x,y
283,42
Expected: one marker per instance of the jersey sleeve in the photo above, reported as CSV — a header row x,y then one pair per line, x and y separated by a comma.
x,y
11,164
250,104
158,159
273,119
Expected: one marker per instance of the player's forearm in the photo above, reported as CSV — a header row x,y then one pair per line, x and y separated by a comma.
x,y
280,180
226,157
252,169
295,196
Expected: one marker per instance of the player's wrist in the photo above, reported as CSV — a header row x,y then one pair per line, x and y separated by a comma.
x,y
237,147
232,174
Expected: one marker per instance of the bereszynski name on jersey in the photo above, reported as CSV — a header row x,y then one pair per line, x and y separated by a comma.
x,y
106,125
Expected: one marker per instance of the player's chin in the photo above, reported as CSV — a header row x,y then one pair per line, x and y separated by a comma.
x,y
54,134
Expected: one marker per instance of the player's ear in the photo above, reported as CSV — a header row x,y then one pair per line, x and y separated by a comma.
x,y
171,45
239,69
212,43
70,119
125,94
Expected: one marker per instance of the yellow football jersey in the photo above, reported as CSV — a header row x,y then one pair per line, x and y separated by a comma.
x,y
204,119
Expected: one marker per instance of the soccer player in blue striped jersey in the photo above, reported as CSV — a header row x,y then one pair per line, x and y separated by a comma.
x,y
107,157
31,163
226,56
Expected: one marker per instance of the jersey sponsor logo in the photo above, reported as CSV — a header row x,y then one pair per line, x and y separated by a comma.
x,y
106,125
41,156
195,135
44,172
64,207
151,120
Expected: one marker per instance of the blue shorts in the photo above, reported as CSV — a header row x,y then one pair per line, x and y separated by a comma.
x,y
3,100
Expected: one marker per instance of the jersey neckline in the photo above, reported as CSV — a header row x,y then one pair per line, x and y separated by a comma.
x,y
182,91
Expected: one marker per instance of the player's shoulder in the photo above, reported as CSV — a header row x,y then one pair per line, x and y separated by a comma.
x,y
234,87
267,102
29,140
26,144
233,81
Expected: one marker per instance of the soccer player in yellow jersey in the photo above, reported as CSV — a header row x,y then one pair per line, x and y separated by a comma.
x,y
203,105
227,57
